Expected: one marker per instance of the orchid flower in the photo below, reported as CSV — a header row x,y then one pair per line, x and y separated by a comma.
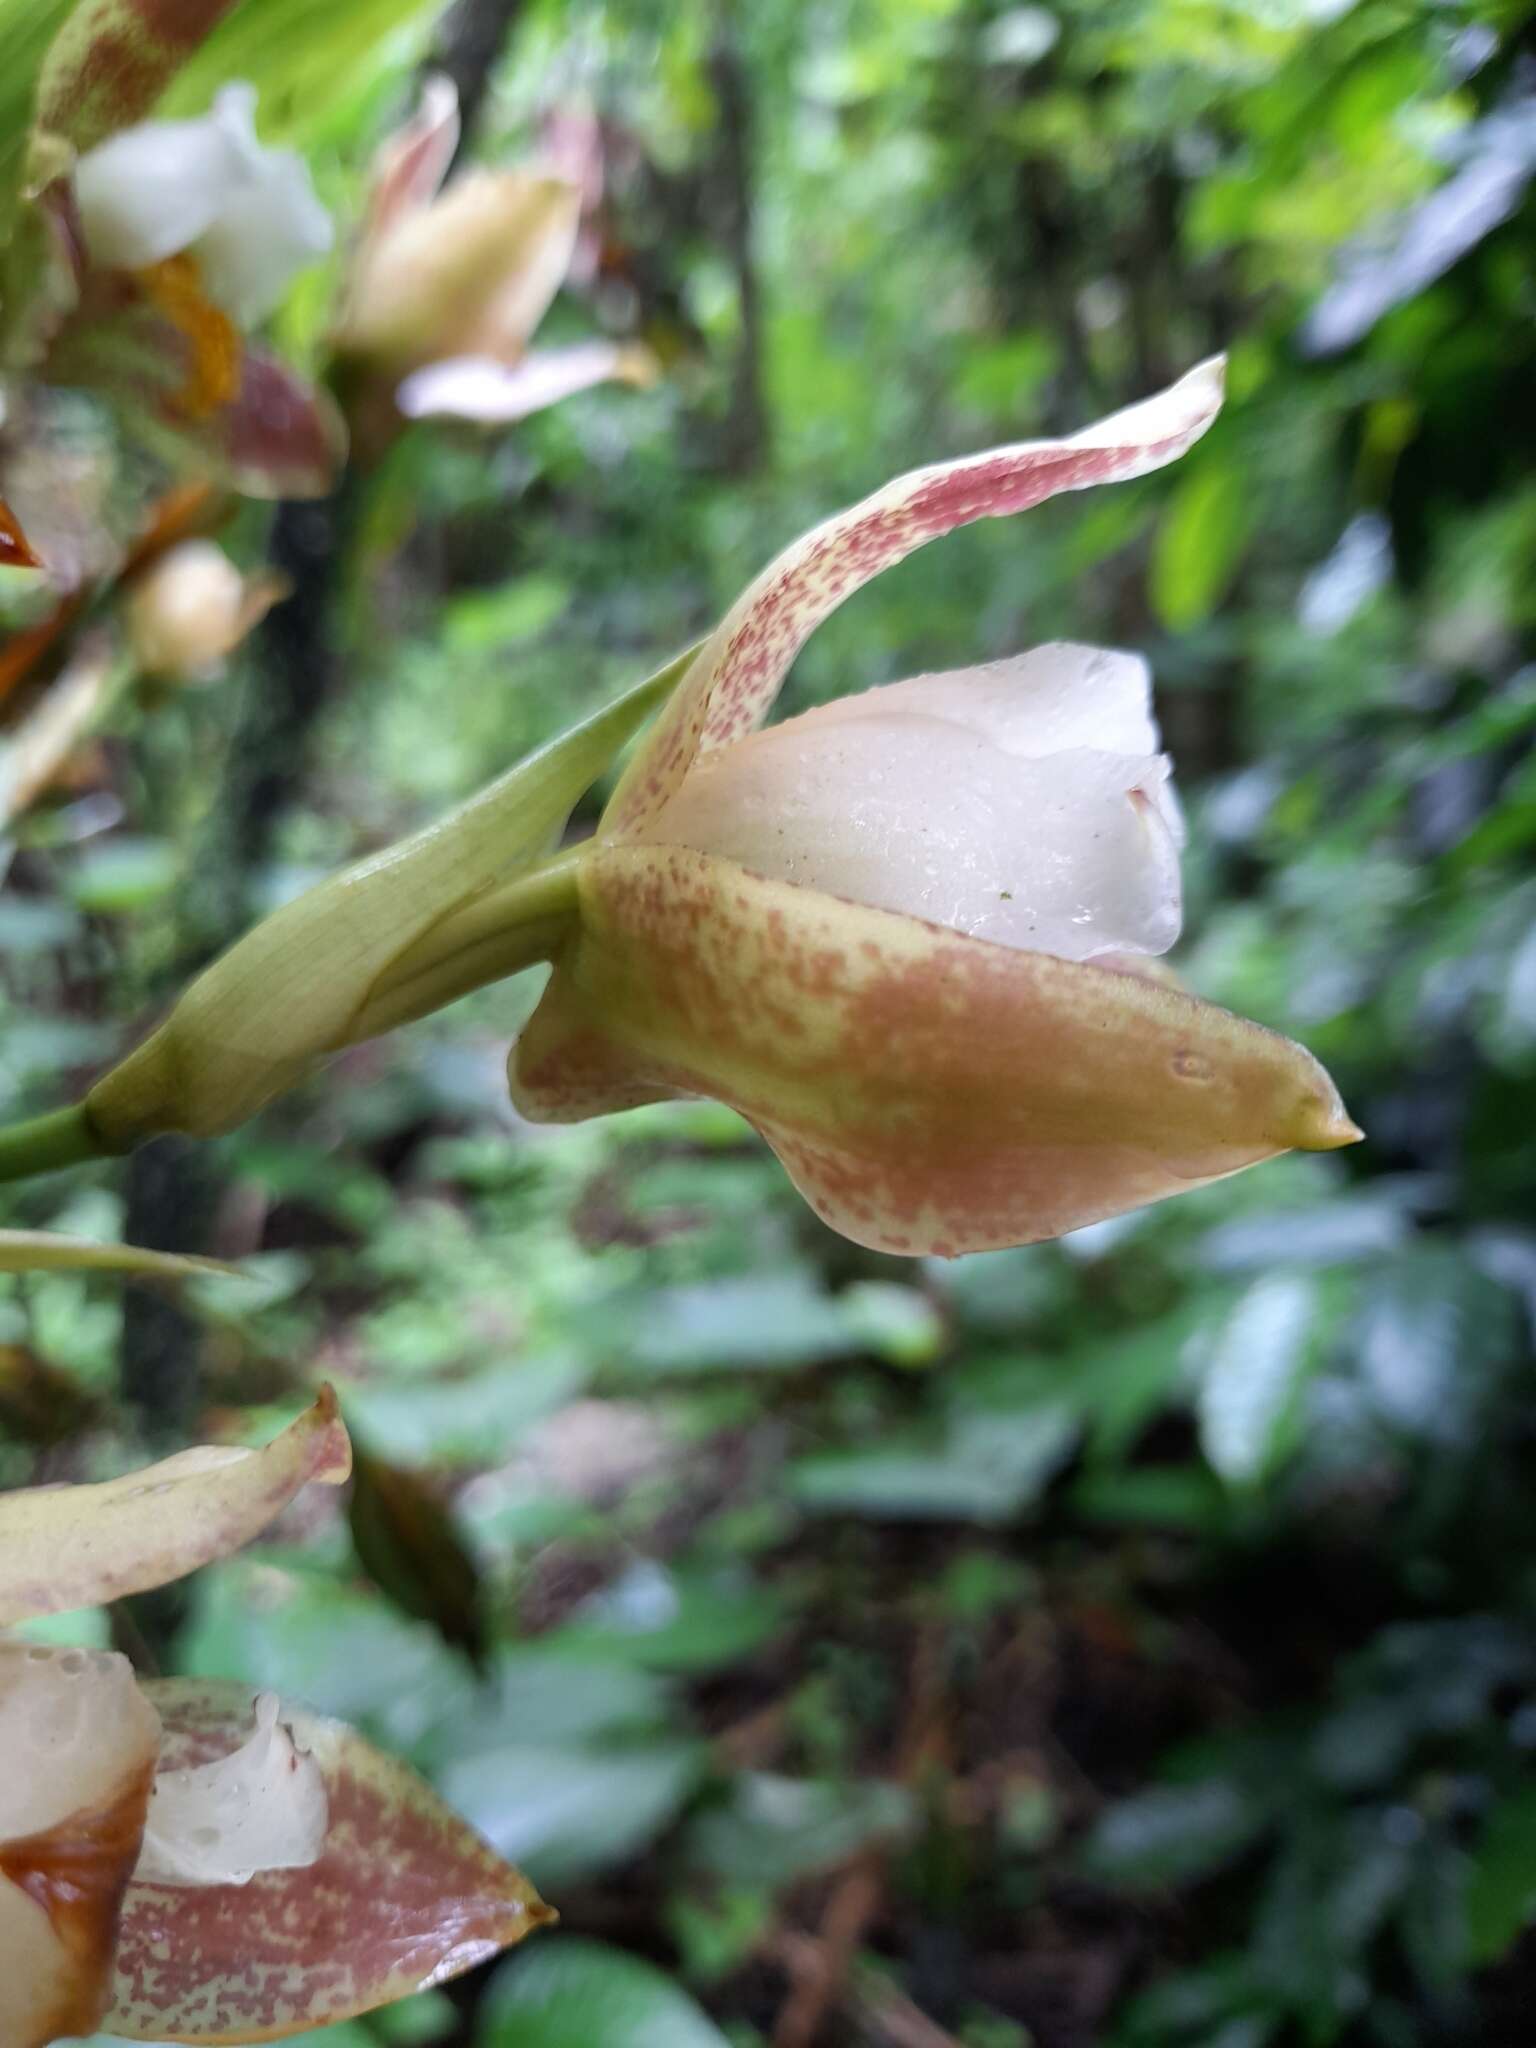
x,y
899,934
186,1858
448,284
911,936
152,248
206,189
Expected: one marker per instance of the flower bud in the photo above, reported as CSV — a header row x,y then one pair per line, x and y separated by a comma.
x,y
471,273
191,608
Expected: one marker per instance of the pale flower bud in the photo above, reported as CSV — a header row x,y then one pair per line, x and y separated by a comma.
x,y
191,609
470,273
247,214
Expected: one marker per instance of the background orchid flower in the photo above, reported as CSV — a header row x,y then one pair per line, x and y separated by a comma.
x,y
447,286
160,1842
81,1741
874,930
141,251
206,189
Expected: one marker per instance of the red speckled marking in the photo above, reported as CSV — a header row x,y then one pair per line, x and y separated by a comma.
x,y
405,1896
938,1094
732,684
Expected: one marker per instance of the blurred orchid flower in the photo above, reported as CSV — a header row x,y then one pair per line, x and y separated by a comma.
x,y
129,1809
191,608
207,189
896,932
145,259
447,285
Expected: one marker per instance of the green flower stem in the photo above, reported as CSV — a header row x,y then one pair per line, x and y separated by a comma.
x,y
64,1137
500,933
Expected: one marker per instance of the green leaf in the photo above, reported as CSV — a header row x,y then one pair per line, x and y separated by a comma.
x,y
39,1251
335,1645
1435,1337
685,1621
982,1467
568,1810
1173,1833
309,64
410,1546
579,1994
545,1696
450,1421
25,34
1200,542
774,1830
124,875
772,1321
1501,1889
497,618
1258,1363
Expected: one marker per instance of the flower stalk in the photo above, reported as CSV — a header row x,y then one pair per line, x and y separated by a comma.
x,y
517,925
42,1144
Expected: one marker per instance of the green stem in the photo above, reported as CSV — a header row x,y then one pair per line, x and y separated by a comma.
x,y
64,1137
497,934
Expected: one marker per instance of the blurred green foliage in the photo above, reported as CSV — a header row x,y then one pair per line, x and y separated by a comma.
x,y
1126,1641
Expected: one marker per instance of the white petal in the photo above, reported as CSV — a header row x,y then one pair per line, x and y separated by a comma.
x,y
480,388
249,214
264,1807
72,1723
1057,696
265,231
151,191
736,675
1068,854
1053,698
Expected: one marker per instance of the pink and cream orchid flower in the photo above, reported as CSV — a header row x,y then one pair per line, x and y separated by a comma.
x,y
188,1859
447,286
901,933
82,1808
